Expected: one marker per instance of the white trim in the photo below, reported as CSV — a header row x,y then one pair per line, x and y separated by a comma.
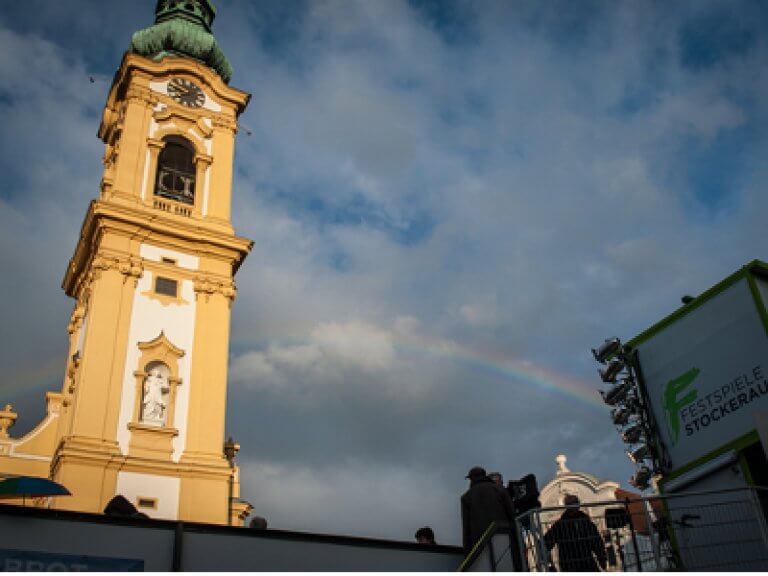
x,y
148,319
146,176
23,456
207,142
206,190
32,434
153,125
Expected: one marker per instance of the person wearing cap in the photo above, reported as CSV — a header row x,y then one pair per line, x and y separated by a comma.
x,y
483,503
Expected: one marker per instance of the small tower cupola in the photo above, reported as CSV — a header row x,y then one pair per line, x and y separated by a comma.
x,y
196,11
182,28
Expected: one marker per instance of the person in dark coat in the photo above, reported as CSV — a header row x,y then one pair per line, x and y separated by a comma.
x,y
577,539
483,503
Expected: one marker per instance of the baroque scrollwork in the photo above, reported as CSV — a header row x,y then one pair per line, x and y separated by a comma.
x,y
76,319
74,366
208,286
129,267
140,94
110,156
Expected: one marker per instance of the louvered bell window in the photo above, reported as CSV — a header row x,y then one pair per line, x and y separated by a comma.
x,y
176,171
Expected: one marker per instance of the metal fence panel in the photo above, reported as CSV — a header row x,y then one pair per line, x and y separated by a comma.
x,y
705,531
722,535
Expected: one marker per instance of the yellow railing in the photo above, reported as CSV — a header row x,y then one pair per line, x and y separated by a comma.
x,y
172,207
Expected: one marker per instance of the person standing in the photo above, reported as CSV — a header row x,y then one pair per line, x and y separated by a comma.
x,y
577,539
483,503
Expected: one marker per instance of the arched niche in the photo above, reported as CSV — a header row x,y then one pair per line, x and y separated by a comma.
x,y
155,394
157,381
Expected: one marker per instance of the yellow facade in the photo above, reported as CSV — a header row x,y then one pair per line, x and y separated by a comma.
x,y
143,403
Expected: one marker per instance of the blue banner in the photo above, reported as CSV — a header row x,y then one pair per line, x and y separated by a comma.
x,y
23,561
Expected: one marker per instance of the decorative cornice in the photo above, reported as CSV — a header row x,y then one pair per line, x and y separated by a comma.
x,y
159,430
133,65
202,236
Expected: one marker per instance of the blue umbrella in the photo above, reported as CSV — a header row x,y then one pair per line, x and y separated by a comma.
x,y
23,486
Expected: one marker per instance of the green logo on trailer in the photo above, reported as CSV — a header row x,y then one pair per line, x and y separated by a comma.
x,y
676,397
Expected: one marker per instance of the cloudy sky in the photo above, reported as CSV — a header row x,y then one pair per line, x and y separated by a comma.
x,y
451,202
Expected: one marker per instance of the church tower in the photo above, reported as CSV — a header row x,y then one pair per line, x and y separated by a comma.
x,y
142,409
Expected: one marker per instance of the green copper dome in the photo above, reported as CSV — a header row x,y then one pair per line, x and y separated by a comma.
x,y
183,28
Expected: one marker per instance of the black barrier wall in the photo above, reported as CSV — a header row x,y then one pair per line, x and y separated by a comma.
x,y
39,540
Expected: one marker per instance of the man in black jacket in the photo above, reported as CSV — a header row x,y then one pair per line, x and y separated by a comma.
x,y
577,539
483,503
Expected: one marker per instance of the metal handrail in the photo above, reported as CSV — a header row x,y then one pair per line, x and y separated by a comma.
x,y
477,548
486,539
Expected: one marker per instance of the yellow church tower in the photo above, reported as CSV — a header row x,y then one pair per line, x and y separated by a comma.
x,y
142,409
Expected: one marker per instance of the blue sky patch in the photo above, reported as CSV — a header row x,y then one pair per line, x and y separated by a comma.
x,y
717,170
713,38
314,209
452,20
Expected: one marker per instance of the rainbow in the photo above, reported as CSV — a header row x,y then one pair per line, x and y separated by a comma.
x,y
502,366
49,373
516,370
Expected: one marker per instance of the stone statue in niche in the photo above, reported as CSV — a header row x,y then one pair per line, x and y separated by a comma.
x,y
154,403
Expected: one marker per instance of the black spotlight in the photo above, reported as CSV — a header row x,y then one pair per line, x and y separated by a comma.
x,y
607,349
609,373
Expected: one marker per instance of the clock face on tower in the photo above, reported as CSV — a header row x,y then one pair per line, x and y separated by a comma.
x,y
186,92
